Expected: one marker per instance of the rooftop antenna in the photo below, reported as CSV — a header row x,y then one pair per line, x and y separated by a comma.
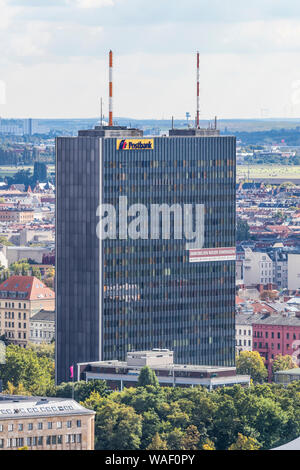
x,y
198,99
216,118
110,121
101,113
172,122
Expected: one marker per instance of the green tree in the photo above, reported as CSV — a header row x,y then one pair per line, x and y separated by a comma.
x,y
43,349
208,445
82,389
36,272
152,425
20,268
16,390
147,376
191,438
244,443
251,363
157,443
26,367
117,426
4,241
175,439
242,230
281,362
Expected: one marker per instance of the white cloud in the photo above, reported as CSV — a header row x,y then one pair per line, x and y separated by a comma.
x,y
91,3
31,42
7,14
54,51
2,92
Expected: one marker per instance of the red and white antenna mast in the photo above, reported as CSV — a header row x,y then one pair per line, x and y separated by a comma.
x,y
198,93
110,119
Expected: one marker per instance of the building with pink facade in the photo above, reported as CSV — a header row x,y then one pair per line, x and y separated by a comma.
x,y
276,334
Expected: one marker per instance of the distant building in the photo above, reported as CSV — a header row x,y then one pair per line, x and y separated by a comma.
x,y
243,330
258,268
27,126
280,267
294,271
45,424
42,327
22,216
16,253
125,374
276,334
21,297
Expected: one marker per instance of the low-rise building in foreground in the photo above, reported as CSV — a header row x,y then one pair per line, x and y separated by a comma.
x,y
120,374
45,424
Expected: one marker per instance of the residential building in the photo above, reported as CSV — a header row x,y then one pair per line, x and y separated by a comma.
x,y
243,332
116,295
45,424
16,215
42,327
258,268
279,258
20,298
276,334
120,374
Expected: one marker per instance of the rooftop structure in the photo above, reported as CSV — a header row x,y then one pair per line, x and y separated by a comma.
x,y
25,288
125,373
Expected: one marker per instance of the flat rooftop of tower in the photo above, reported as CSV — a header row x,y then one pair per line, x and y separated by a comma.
x,y
194,132
111,131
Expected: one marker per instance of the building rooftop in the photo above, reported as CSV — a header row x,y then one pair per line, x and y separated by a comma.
x,y
244,319
14,406
111,131
25,288
44,315
194,132
295,371
278,320
179,367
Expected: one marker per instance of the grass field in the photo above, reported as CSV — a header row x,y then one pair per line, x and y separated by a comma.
x,y
268,171
7,170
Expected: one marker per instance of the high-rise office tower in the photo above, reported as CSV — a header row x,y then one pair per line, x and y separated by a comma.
x,y
117,294
27,126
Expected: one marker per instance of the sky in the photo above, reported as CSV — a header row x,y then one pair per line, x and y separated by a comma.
x,y
54,58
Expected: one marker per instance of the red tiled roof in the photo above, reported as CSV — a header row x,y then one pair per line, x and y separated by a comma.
x,y
261,307
278,228
35,289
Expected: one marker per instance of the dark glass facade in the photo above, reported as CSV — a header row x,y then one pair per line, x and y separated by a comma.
x,y
119,295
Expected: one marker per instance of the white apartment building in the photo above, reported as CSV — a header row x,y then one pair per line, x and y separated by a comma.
x,y
258,268
293,271
42,327
243,332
